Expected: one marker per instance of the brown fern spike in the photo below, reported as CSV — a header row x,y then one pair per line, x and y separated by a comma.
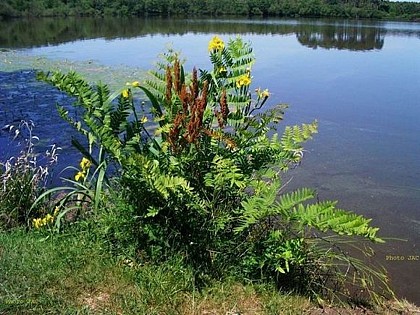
x,y
224,106
224,111
197,112
168,84
173,137
219,117
194,90
185,98
191,133
177,77
202,105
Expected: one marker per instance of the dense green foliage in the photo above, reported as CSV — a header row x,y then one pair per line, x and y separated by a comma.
x,y
293,8
197,168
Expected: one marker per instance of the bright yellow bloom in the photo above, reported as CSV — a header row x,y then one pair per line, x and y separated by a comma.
x,y
49,218
37,223
79,175
125,93
243,80
265,93
216,43
144,120
221,70
85,164
135,84
40,222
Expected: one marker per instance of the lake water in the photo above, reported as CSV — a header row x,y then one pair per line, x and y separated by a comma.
x,y
359,79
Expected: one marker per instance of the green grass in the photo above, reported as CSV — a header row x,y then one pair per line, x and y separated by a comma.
x,y
39,275
72,274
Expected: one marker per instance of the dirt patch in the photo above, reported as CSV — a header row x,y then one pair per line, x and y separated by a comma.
x,y
96,301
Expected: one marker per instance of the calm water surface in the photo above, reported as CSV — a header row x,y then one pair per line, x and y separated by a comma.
x,y
360,80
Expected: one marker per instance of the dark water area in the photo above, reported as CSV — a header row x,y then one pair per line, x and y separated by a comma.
x,y
359,79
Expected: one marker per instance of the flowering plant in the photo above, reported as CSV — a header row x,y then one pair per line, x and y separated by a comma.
x,y
203,178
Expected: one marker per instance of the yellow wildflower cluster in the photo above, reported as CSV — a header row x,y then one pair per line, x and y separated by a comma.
x,y
133,84
48,219
262,94
40,222
216,43
125,93
243,80
221,70
84,165
79,176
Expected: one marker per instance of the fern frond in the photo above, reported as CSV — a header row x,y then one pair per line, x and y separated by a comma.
x,y
258,207
157,180
324,216
224,173
288,201
291,142
118,117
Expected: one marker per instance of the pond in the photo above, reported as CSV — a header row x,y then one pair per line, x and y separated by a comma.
x,y
359,79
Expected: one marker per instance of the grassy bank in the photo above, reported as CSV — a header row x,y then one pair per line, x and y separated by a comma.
x,y
72,273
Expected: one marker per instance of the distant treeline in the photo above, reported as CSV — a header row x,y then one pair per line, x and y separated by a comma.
x,y
377,9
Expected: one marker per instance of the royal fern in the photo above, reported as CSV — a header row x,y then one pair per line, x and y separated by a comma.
x,y
105,116
293,207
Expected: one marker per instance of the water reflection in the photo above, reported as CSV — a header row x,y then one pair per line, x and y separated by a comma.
x,y
27,33
348,37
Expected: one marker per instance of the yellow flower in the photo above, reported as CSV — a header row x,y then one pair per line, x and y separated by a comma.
x,y
265,93
216,44
135,84
125,93
243,80
37,223
40,222
144,120
85,164
49,218
56,210
79,175
221,70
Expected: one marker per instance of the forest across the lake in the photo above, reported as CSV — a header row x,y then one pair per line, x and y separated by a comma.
x,y
377,9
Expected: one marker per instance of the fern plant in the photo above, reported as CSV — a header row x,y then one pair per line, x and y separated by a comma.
x,y
204,179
